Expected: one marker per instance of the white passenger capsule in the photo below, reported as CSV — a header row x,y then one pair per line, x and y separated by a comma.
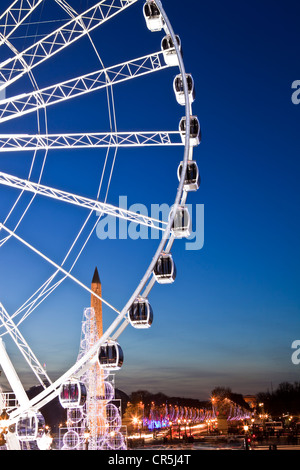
x,y
169,51
192,176
153,17
178,87
110,356
72,394
181,227
195,131
140,313
165,269
30,426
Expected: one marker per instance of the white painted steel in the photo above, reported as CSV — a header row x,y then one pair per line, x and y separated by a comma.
x,y
42,50
26,143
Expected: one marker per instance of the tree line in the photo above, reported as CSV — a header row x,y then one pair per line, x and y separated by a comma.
x,y
284,400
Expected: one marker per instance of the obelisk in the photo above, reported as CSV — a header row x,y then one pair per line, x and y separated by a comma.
x,y
98,424
96,303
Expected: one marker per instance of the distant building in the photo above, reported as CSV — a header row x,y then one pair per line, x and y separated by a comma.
x,y
251,400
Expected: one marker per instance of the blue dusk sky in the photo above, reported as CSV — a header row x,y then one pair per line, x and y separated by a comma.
x,y
233,312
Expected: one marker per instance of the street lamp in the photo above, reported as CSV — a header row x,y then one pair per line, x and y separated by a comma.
x,y
208,423
247,440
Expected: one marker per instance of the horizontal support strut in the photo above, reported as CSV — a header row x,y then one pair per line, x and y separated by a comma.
x,y
25,142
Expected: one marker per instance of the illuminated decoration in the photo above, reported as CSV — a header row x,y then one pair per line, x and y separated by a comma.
x,y
92,419
75,415
112,413
152,424
115,441
45,442
72,440
238,413
165,416
101,413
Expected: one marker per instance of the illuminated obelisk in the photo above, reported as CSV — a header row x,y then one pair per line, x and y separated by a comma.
x,y
96,303
97,404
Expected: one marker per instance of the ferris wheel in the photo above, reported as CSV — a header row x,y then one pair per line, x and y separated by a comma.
x,y
46,79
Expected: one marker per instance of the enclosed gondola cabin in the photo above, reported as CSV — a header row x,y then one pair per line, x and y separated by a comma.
x,y
72,394
153,17
181,227
110,356
192,177
140,314
169,50
30,426
165,269
195,131
178,86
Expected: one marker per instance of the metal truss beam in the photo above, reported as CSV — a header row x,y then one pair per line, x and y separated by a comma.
x,y
77,27
80,201
59,268
14,16
22,345
19,105
25,142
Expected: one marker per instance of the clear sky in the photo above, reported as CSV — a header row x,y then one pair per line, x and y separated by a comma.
x,y
232,314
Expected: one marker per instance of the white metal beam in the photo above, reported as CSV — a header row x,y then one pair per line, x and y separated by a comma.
x,y
23,347
81,201
61,38
14,16
12,376
59,268
16,106
25,142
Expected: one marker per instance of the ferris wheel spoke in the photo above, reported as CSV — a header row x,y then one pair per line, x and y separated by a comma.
x,y
38,297
61,38
26,103
23,143
22,345
66,7
50,261
14,16
97,206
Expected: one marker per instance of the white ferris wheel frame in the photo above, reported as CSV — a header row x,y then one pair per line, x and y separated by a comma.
x,y
10,108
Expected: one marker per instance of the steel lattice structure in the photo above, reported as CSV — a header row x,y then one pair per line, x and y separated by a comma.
x,y
101,417
18,143
15,107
